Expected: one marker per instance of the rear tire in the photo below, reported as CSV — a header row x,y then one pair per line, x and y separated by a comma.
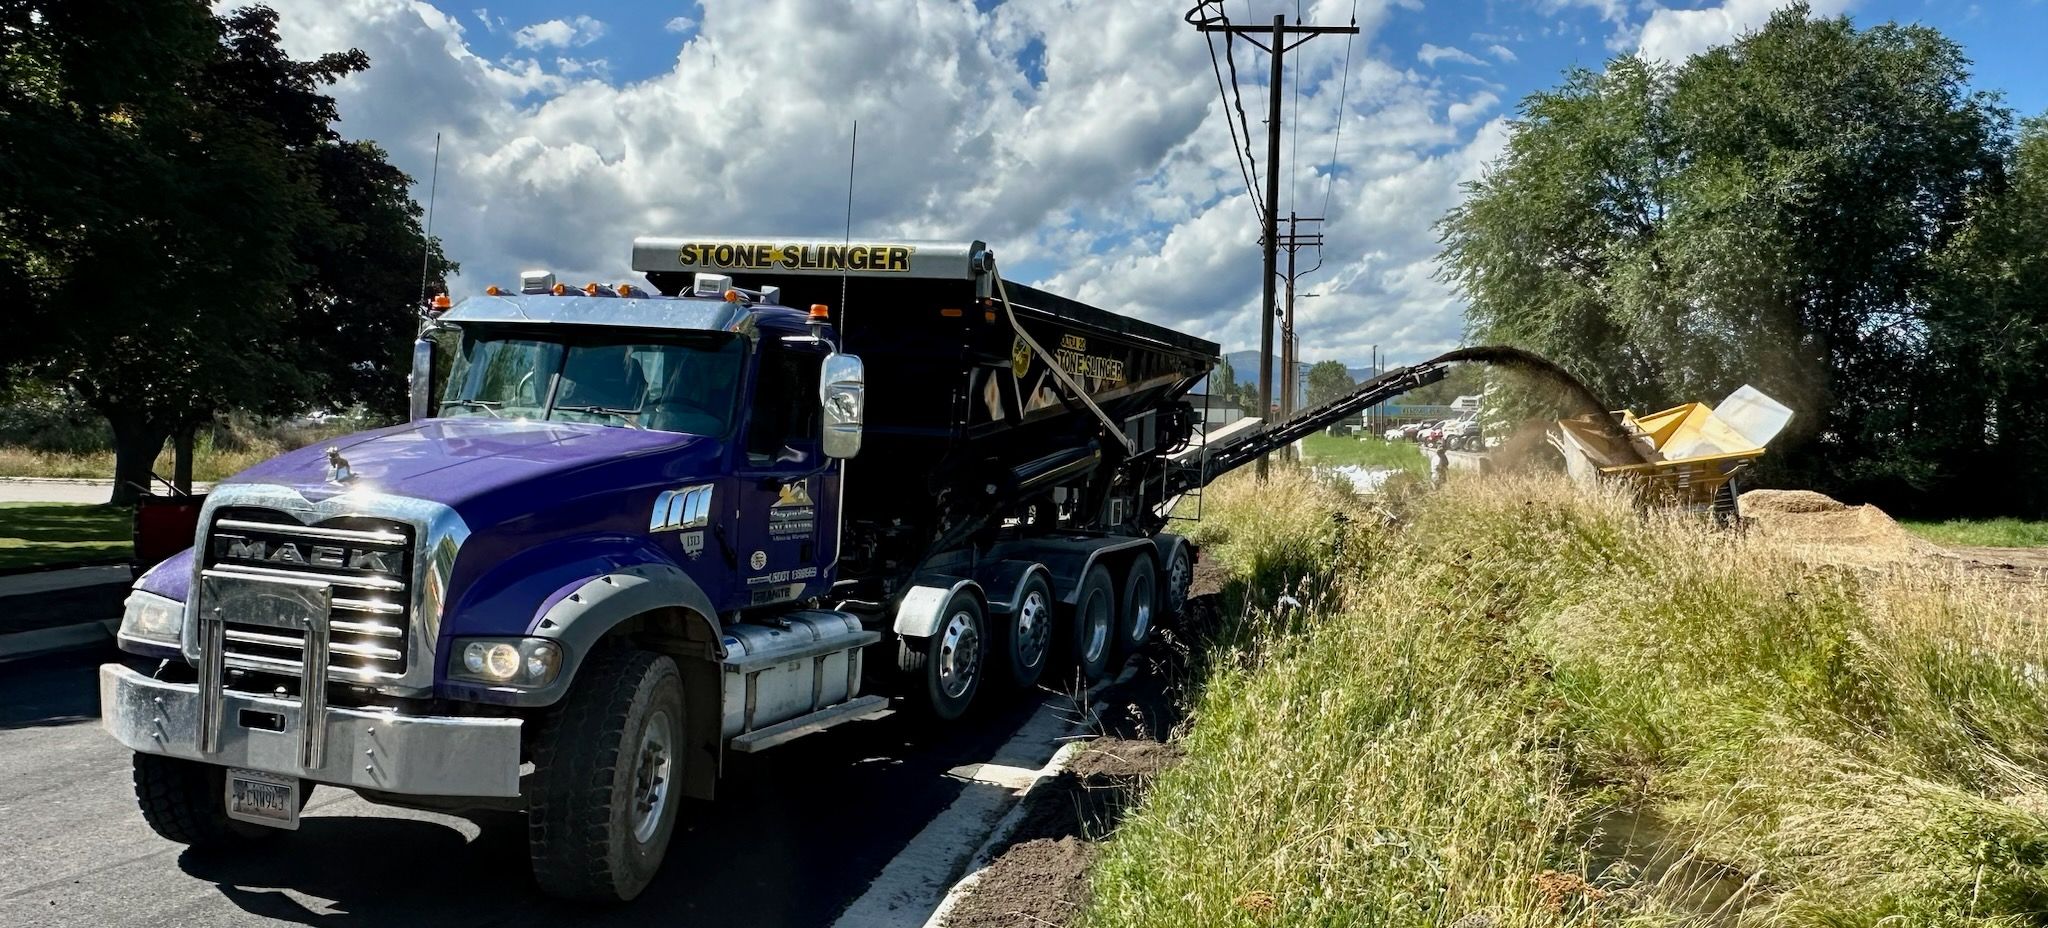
x,y
946,668
1091,625
1139,611
1179,579
186,801
1025,637
607,770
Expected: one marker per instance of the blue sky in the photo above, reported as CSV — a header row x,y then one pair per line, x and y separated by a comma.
x,y
2004,39
1084,139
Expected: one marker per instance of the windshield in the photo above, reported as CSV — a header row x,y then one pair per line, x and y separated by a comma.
x,y
682,384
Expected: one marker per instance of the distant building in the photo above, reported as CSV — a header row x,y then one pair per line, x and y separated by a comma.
x,y
1215,410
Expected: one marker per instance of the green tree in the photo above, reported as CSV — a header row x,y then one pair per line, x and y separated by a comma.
x,y
181,221
1328,380
1988,339
1223,380
1766,213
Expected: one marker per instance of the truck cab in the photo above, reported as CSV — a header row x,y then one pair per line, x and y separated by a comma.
x,y
614,544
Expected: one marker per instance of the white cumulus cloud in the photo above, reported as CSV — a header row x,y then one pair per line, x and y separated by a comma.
x,y
559,33
1431,54
1675,35
680,24
1502,52
1111,179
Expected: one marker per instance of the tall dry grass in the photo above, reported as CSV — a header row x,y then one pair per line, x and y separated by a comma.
x,y
1527,706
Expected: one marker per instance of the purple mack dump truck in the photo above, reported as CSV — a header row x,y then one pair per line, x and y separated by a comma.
x,y
630,533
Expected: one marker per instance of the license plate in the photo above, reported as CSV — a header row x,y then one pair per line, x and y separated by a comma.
x,y
262,798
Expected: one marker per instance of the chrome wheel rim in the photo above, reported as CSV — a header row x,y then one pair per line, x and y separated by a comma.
x,y
959,655
1141,606
1180,578
1096,628
651,778
1033,629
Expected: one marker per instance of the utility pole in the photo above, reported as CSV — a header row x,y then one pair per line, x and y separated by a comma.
x,y
1293,241
1279,47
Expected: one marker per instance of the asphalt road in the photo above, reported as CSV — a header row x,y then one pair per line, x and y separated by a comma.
x,y
797,834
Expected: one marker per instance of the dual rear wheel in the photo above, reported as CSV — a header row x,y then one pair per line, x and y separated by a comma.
x,y
1113,614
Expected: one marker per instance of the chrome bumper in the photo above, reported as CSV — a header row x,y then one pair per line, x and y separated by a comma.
x,y
413,755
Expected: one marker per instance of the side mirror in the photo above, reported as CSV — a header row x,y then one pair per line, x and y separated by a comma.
x,y
843,390
422,378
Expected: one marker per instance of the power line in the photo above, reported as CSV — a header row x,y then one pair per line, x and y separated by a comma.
x,y
1343,92
1230,60
1200,16
1251,186
1294,157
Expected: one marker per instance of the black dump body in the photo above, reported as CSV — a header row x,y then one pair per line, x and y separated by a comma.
x,y
968,426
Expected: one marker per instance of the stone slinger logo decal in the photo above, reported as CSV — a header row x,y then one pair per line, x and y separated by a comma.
x,y
759,560
763,257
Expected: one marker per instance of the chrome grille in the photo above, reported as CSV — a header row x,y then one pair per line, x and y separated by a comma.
x,y
367,563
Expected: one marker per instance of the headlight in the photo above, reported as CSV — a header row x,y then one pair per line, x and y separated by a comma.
x,y
153,618
508,661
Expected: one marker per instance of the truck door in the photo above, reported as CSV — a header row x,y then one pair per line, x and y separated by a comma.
x,y
788,491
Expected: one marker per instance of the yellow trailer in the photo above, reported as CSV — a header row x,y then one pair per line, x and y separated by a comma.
x,y
1687,455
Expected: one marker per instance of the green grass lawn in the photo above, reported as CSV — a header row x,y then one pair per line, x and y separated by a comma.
x,y
54,533
1991,533
1324,449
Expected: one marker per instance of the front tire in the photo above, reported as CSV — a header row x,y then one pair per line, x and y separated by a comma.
x,y
607,767
186,801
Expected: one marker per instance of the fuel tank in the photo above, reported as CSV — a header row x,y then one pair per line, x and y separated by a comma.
x,y
792,665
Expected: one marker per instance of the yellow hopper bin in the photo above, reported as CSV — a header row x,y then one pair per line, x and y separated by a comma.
x,y
1687,454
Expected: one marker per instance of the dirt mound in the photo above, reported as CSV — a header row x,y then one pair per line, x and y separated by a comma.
x,y
1038,882
1792,502
1117,759
1820,527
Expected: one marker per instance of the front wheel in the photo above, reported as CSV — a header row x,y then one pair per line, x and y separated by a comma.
x,y
186,801
607,764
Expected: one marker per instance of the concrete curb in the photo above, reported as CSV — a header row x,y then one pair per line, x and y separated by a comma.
x,y
42,641
1000,835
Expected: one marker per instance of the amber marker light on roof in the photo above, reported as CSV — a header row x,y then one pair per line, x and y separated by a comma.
x,y
441,301
561,289
820,311
493,290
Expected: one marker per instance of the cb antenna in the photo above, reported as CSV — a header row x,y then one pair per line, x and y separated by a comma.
x,y
427,246
852,153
